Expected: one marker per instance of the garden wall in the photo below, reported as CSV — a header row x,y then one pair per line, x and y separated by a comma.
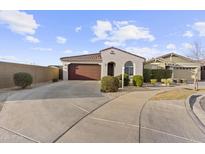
x,y
39,73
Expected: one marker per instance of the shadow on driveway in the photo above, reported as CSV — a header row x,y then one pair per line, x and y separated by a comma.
x,y
63,89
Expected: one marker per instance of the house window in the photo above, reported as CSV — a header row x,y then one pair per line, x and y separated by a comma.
x,y
129,68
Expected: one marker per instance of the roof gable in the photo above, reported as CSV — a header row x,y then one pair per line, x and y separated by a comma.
x,y
169,55
122,51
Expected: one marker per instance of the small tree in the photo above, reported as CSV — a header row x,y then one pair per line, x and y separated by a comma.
x,y
196,51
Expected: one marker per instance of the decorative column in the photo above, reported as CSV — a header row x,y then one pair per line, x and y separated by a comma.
x,y
65,71
134,67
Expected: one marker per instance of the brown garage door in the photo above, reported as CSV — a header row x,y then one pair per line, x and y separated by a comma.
x,y
84,72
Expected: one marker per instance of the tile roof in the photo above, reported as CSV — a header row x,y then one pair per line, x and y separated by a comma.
x,y
96,57
122,51
168,55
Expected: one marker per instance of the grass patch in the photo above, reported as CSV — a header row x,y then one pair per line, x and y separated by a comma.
x,y
175,94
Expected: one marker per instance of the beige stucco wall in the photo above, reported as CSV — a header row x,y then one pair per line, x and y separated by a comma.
x,y
185,74
39,73
154,65
120,58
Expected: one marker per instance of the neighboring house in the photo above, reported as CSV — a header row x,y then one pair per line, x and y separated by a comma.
x,y
202,69
110,61
182,67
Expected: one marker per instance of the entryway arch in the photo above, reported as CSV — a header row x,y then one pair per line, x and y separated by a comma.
x,y
110,68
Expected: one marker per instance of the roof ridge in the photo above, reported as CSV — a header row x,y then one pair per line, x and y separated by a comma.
x,y
97,53
123,51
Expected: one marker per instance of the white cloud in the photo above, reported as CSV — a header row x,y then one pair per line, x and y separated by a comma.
x,y
78,29
85,52
32,39
42,49
121,23
200,28
61,40
187,46
171,46
101,30
19,22
68,51
188,34
155,45
13,59
145,51
119,32
8,58
113,43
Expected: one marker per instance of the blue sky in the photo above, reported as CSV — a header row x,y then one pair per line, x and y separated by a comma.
x,y
42,37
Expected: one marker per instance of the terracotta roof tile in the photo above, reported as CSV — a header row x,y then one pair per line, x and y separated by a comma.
x,y
96,57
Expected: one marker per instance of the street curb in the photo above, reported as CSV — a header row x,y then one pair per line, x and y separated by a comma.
x,y
193,112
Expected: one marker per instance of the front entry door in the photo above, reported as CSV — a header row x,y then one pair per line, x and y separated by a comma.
x,y
111,69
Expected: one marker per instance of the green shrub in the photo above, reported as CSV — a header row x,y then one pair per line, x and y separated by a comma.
x,y
109,84
156,74
169,81
164,81
126,79
55,80
153,81
22,79
147,75
137,80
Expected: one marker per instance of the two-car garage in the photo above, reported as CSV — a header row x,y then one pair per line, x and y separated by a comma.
x,y
84,72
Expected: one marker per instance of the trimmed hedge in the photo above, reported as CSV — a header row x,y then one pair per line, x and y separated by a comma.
x,y
153,81
126,79
137,80
156,74
109,84
22,79
147,75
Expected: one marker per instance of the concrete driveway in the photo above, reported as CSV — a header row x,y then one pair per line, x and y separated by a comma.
x,y
133,118
76,111
43,114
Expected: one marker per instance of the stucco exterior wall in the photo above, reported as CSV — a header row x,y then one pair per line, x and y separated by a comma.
x,y
39,73
120,58
154,65
185,74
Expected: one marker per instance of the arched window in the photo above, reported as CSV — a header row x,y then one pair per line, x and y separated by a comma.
x,y
129,68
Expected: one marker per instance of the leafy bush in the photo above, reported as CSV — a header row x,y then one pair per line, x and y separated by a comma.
x,y
126,79
153,81
147,75
22,79
164,81
167,82
156,74
55,80
137,80
109,84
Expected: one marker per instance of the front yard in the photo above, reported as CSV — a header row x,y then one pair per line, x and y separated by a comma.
x,y
176,94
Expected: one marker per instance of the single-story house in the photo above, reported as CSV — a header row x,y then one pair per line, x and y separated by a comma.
x,y
182,67
110,61
202,69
